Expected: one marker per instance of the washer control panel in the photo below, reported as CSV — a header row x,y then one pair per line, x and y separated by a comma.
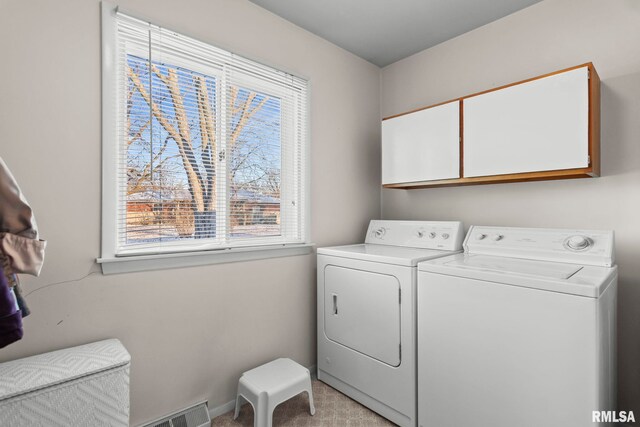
x,y
443,235
588,247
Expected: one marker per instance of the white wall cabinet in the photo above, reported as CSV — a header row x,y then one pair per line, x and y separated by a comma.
x,y
422,146
541,125
547,127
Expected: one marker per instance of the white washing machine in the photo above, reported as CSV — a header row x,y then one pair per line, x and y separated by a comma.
x,y
366,312
519,330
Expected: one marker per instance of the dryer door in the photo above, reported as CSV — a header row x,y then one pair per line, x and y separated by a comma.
x,y
362,312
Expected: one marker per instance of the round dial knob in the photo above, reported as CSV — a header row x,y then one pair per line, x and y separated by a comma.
x,y
497,237
578,243
432,235
379,232
480,236
445,236
420,234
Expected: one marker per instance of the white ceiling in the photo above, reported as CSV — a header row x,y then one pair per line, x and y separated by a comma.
x,y
385,31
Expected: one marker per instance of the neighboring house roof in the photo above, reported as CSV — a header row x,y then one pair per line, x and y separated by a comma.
x,y
156,196
164,195
254,197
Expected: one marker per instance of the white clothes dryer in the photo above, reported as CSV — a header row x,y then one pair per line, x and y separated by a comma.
x,y
519,330
366,312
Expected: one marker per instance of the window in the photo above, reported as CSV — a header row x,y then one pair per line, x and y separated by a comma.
x,y
203,150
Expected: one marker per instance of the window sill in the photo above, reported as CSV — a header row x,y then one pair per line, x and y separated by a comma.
x,y
191,259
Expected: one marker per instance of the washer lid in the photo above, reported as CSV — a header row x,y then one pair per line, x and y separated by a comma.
x,y
582,280
552,270
396,255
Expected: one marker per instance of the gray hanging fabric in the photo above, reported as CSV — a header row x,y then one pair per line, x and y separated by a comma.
x,y
21,250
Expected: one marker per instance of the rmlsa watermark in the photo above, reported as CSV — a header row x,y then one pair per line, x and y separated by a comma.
x,y
613,417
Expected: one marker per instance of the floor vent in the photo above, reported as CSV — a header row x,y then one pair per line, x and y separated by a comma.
x,y
195,416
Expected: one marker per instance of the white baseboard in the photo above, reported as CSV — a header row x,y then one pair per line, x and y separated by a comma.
x,y
226,407
313,369
222,409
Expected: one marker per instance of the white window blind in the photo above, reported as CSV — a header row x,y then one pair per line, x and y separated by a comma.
x,y
210,146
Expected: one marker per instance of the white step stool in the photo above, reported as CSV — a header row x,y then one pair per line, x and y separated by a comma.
x,y
267,386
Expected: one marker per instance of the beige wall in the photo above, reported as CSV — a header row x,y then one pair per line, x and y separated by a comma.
x,y
190,331
548,36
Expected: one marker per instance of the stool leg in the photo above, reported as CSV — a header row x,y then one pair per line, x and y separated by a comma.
x,y
270,409
237,412
312,408
262,412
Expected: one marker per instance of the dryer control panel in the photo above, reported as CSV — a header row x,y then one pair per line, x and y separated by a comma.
x,y
587,247
443,235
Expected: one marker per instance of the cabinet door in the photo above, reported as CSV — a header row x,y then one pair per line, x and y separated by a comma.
x,y
540,125
422,146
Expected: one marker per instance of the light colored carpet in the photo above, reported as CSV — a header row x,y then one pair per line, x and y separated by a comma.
x,y
333,409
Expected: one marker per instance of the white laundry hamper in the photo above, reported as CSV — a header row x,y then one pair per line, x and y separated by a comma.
x,y
80,386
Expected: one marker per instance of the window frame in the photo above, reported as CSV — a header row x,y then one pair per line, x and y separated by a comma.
x,y
194,253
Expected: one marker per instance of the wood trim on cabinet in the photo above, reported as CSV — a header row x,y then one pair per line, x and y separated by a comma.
x,y
594,120
461,138
593,169
497,179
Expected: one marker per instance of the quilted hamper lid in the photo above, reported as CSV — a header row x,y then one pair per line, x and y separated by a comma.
x,y
45,370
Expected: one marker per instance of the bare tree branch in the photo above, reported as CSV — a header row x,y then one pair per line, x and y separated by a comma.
x,y
139,133
246,112
154,107
181,137
208,138
161,76
144,180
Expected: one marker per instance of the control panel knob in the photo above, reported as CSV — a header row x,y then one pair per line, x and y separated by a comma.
x,y
420,234
497,237
445,236
480,236
432,235
379,232
578,243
